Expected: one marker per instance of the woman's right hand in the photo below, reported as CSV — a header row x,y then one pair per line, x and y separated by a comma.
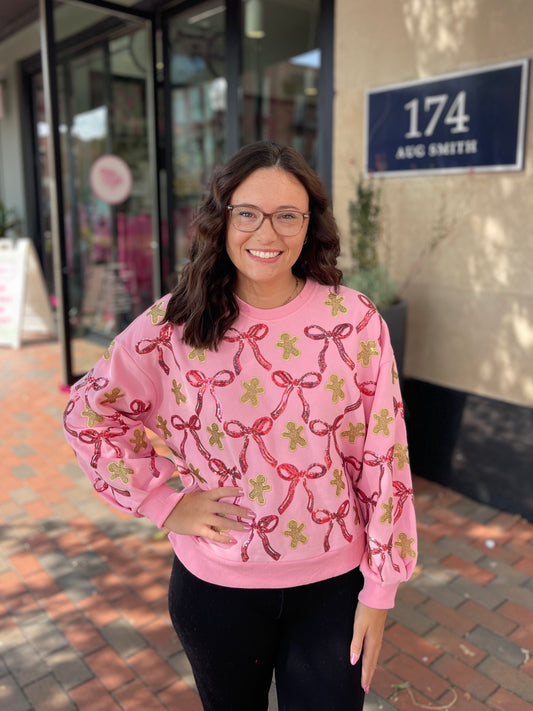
x,y
203,513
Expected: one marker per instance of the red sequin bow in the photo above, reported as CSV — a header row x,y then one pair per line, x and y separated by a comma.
x,y
137,407
323,429
219,380
403,493
290,473
162,341
251,336
383,550
224,473
371,311
371,459
337,335
368,387
91,383
284,380
352,467
97,437
257,431
68,409
330,517
369,502
100,486
265,525
193,426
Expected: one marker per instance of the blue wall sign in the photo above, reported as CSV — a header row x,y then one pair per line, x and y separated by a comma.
x,y
454,123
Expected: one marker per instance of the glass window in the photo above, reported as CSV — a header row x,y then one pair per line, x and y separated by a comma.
x,y
281,64
108,219
198,107
43,187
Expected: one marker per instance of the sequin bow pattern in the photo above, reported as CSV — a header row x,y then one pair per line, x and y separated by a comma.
x,y
322,516
71,404
265,525
219,380
257,431
285,380
193,426
382,550
292,474
162,341
371,459
369,502
337,335
99,485
91,383
137,407
224,473
251,336
366,318
324,429
367,387
403,493
97,437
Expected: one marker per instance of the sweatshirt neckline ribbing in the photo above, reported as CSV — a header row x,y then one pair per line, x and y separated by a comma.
x,y
279,311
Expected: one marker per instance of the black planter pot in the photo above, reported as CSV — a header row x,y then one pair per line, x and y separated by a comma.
x,y
395,317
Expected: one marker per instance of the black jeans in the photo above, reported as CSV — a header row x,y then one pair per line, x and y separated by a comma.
x,y
235,638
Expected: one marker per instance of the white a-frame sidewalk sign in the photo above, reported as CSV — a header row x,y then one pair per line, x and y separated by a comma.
x,y
24,301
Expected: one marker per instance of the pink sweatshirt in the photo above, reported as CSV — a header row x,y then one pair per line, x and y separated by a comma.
x,y
299,406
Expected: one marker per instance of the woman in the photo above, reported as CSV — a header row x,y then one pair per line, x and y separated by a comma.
x,y
276,391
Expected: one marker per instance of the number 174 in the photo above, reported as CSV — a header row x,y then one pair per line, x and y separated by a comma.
x,y
456,116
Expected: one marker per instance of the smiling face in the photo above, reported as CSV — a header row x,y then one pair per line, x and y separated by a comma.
x,y
263,259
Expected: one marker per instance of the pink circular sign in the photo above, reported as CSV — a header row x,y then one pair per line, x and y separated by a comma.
x,y
111,179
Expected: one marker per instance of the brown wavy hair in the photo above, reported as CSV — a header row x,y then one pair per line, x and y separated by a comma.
x,y
203,299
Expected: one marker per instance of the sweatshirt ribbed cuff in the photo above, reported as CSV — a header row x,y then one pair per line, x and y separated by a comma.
x,y
159,503
378,595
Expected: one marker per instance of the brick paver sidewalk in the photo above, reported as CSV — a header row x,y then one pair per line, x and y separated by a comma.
x,y
83,618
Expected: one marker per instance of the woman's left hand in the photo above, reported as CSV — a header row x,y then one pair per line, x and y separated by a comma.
x,y
368,627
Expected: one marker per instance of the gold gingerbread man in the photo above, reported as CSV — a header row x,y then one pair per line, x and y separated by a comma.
x,y
253,390
93,417
288,345
120,471
259,487
334,301
156,313
176,389
295,533
294,434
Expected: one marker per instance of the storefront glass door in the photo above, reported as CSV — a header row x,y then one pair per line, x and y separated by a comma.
x,y
108,225
198,96
228,73
281,61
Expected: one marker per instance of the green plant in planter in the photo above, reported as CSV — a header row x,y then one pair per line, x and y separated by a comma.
x,y
8,220
368,274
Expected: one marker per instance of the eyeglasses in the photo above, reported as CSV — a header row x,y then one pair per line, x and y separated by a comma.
x,y
248,218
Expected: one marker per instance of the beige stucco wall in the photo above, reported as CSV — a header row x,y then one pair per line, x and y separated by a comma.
x,y
470,323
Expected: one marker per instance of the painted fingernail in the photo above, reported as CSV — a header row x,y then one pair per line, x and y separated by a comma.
x,y
354,658
366,689
231,540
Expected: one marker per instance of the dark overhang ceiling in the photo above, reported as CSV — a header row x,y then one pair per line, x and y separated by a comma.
x,y
16,14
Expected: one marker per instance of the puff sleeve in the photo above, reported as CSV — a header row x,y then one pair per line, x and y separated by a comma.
x,y
383,487
106,421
